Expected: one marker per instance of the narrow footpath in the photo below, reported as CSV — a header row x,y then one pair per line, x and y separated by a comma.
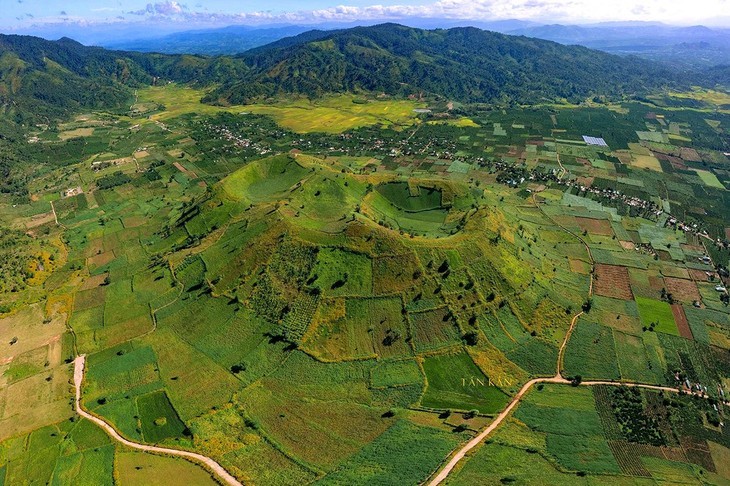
x,y
210,464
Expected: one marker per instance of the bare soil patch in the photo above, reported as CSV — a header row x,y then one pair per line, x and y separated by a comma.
x,y
682,290
613,281
627,245
102,258
681,319
595,226
700,275
185,171
579,266
93,282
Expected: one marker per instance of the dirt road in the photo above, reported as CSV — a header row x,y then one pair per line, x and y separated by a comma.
x,y
558,378
209,463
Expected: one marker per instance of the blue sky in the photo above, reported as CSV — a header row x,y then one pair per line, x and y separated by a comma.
x,y
22,14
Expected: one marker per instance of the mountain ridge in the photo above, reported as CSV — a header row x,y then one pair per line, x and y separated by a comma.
x,y
464,63
42,79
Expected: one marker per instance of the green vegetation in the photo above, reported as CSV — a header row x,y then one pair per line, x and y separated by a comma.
x,y
406,453
331,286
393,46
454,382
159,420
656,315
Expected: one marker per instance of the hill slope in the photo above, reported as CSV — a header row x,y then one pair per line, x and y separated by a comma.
x,y
49,79
42,79
466,64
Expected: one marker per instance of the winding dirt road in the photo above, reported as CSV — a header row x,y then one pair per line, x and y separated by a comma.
x,y
210,464
558,378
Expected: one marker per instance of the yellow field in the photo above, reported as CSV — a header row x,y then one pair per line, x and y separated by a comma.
x,y
332,114
678,138
707,95
141,468
460,122
638,149
336,114
79,132
178,100
646,162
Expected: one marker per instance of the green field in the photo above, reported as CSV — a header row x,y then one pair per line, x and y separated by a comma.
x,y
405,454
454,382
265,180
343,290
657,314
158,418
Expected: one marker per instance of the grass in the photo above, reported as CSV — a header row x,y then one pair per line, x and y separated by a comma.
x,y
429,221
394,373
89,467
633,361
335,114
141,468
405,454
400,195
657,314
574,432
433,330
158,418
710,179
494,464
591,352
342,272
264,180
455,382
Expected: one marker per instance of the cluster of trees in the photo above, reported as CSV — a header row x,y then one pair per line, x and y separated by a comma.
x,y
116,179
16,260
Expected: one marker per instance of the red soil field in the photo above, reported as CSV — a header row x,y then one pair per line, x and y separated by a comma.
x,y
613,281
681,319
595,226
682,289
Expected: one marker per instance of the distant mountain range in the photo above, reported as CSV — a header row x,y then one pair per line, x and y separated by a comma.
x,y
695,46
228,40
40,78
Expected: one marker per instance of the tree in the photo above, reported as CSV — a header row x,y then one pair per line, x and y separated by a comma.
x,y
587,305
391,336
238,368
576,380
470,414
471,338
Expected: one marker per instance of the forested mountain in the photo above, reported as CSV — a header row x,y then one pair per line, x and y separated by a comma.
x,y
46,79
40,78
466,64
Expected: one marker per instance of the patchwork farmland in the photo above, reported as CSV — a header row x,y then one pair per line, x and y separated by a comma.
x,y
358,303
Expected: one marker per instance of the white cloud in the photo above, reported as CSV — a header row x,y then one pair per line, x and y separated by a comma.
x,y
555,10
714,12
167,8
